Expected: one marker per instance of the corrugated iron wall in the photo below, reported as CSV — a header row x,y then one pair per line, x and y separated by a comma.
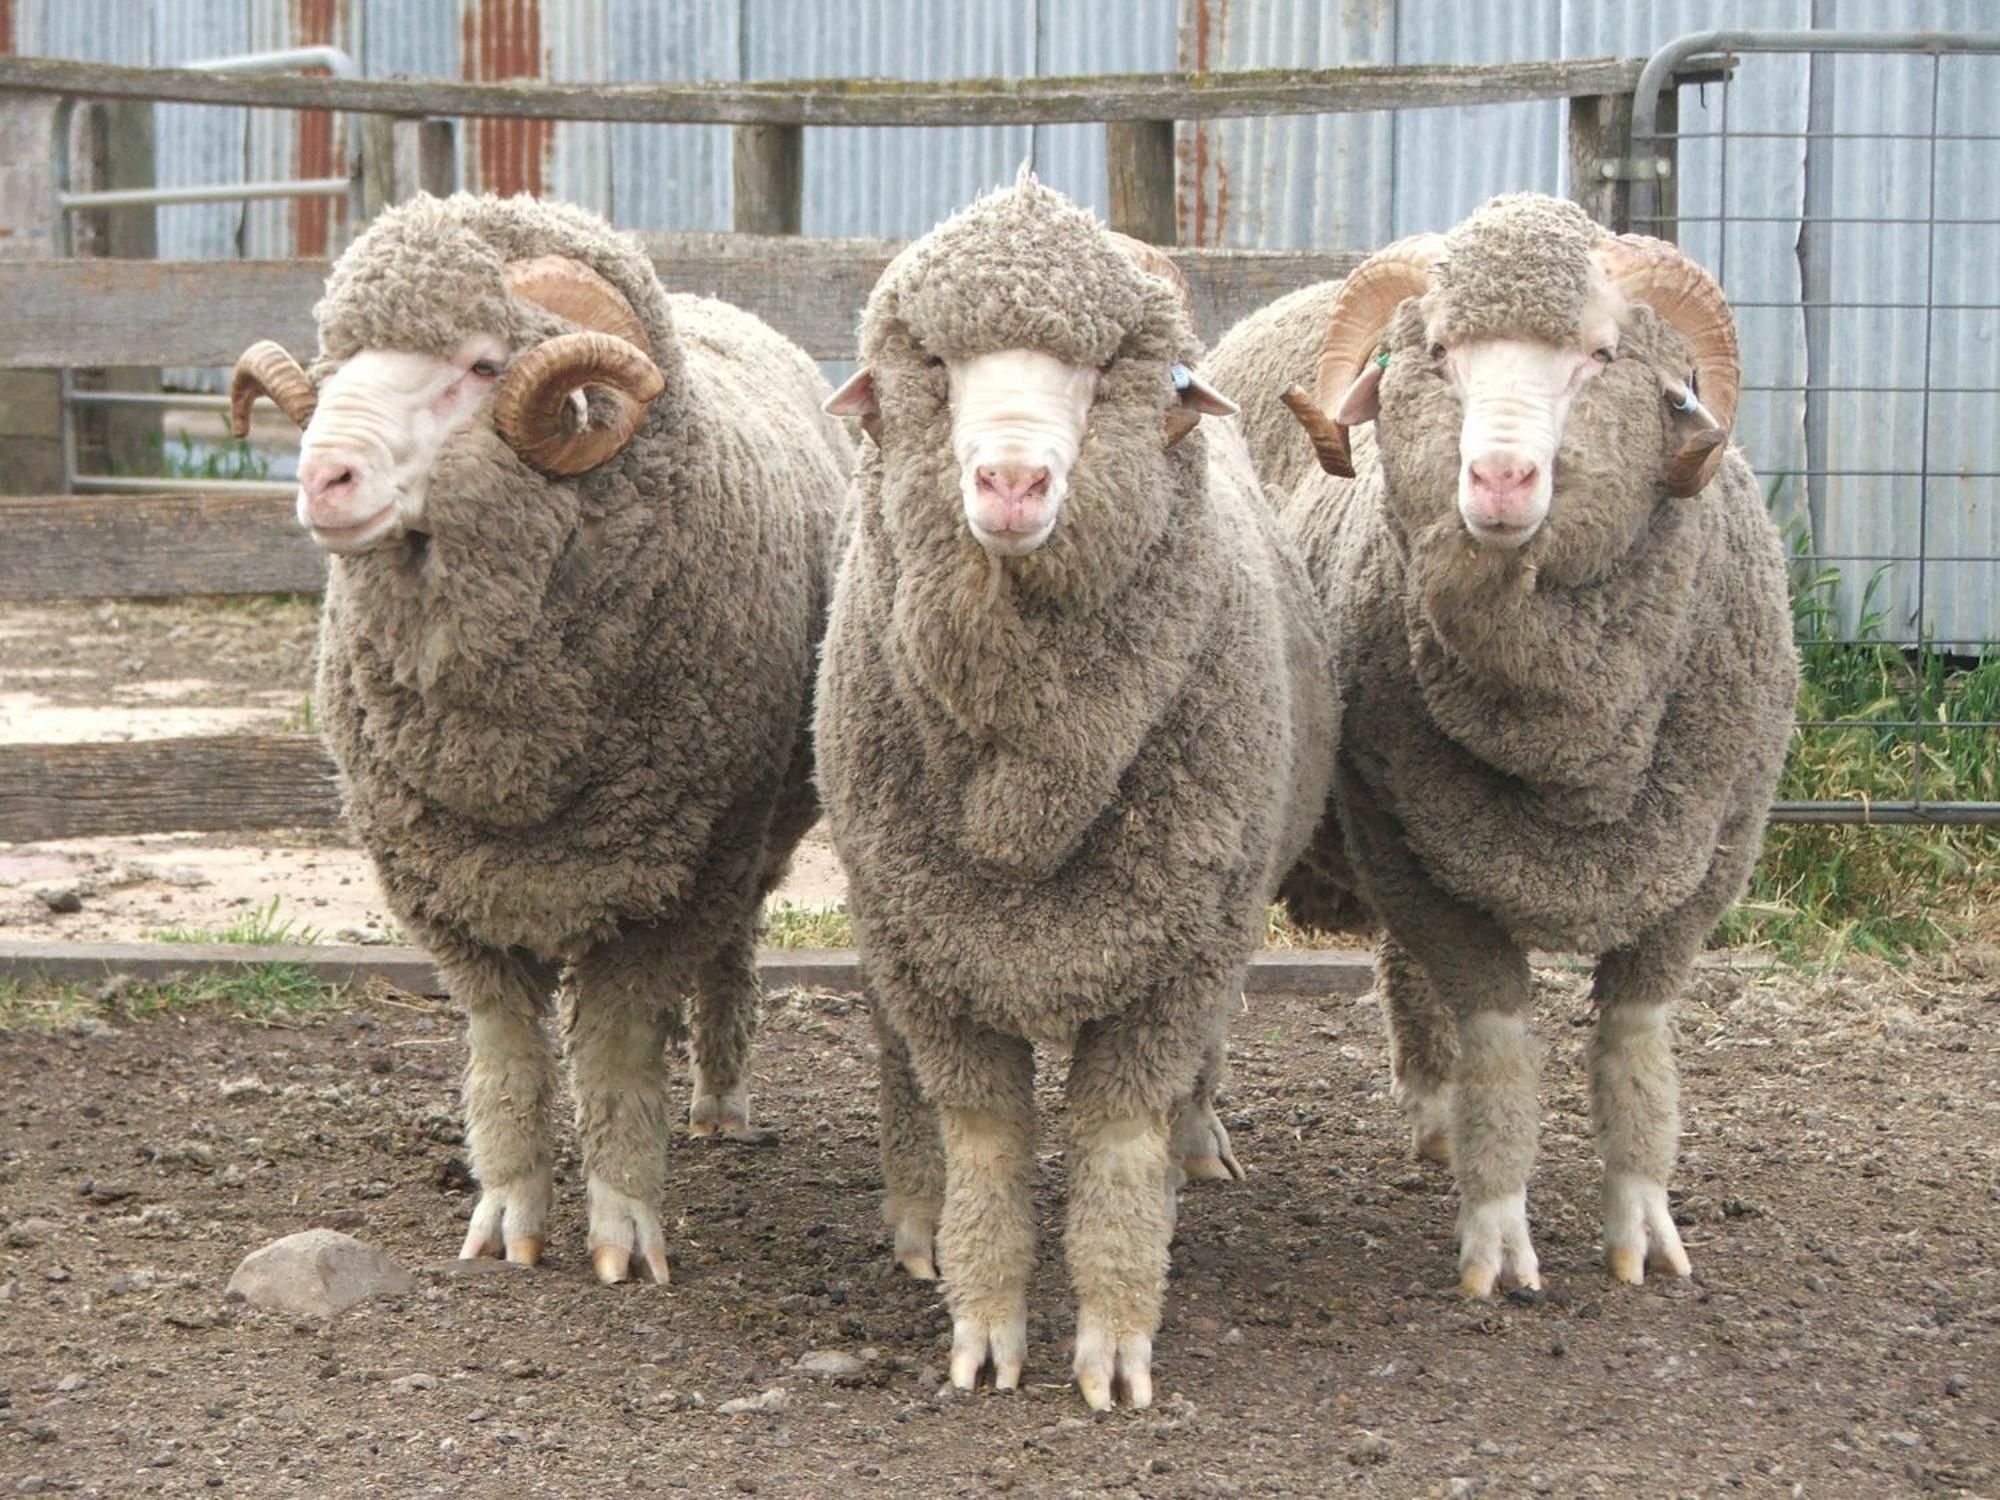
x,y
1327,181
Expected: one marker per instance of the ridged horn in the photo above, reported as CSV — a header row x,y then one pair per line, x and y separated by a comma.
x,y
265,369
531,407
570,289
1687,297
1354,325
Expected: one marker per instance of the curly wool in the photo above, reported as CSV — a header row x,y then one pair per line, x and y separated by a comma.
x,y
1519,268
1063,786
575,705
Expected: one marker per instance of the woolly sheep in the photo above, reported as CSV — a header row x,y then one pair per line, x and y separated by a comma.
x,y
1073,724
1565,666
565,663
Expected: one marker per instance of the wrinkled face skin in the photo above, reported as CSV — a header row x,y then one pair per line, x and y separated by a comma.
x,y
1517,394
366,457
1017,424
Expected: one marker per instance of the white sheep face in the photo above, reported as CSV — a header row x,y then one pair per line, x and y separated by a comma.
x,y
1516,395
383,417
1017,423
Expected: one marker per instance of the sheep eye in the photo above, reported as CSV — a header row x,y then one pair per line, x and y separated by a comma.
x,y
1437,353
485,367
935,362
1603,356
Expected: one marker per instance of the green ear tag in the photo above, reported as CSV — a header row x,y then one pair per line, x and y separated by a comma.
x,y
1382,360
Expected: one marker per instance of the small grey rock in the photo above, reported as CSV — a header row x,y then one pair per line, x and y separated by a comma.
x,y
73,1382
777,1398
402,1385
1370,1448
30,1231
1487,1448
831,1364
1233,1336
237,1088
62,900
317,1273
31,1484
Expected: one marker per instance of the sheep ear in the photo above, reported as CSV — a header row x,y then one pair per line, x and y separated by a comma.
x,y
1194,399
1362,401
856,398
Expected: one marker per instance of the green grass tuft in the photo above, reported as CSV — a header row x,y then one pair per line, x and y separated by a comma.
x,y
267,994
790,926
260,927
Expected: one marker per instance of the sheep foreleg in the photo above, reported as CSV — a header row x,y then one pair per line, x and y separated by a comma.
x,y
1493,1150
986,1235
1635,1105
618,1033
510,1077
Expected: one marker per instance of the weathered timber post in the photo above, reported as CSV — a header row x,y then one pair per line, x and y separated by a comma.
x,y
401,157
118,147
1604,162
1139,158
30,400
769,175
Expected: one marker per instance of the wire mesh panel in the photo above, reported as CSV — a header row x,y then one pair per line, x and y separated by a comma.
x,y
1861,253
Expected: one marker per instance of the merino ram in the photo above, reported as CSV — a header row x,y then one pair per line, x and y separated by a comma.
x,y
580,535
1074,723
1565,666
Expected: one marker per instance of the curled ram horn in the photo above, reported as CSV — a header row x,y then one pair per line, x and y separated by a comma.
x,y
265,369
533,405
1688,299
1354,325
531,408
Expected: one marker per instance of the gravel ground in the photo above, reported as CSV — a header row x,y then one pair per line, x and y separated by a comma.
x,y
1840,1192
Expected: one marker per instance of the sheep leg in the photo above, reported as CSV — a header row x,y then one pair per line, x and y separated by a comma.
x,y
1635,1102
912,1157
727,1001
510,1077
1476,968
1422,1048
1120,1220
619,1028
1200,1143
986,1232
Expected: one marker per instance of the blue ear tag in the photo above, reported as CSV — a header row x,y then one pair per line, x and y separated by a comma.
x,y
1182,379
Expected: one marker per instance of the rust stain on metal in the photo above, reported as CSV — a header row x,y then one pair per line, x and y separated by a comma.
x,y
503,39
1202,217
6,26
316,23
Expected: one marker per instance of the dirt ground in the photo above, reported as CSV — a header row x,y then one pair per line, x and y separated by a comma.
x,y
152,669
1839,1189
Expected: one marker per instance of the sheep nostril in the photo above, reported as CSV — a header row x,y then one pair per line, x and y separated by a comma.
x,y
1503,476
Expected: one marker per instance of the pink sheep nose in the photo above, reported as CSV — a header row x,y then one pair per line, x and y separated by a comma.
x,y
329,484
1012,496
1011,484
1503,487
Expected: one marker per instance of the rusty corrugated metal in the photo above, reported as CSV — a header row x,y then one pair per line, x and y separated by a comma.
x,y
502,39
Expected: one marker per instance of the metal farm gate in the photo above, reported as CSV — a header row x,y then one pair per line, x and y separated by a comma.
x,y
1853,207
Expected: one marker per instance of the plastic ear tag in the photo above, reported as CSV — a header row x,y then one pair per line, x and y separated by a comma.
x,y
1382,360
1181,377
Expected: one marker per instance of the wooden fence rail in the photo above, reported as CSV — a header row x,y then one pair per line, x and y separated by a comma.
x,y
137,312
860,101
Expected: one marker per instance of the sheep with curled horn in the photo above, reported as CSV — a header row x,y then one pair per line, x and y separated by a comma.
x,y
1565,666
1074,722
580,534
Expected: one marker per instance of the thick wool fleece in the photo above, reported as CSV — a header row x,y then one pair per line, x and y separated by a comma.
x,y
1579,738
1276,346
573,707
1063,785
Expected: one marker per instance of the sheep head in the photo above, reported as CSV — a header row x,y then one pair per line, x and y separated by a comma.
x,y
1019,360
1520,317
562,368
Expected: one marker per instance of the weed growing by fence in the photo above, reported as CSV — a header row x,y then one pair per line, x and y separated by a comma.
x,y
261,926
1823,890
267,994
